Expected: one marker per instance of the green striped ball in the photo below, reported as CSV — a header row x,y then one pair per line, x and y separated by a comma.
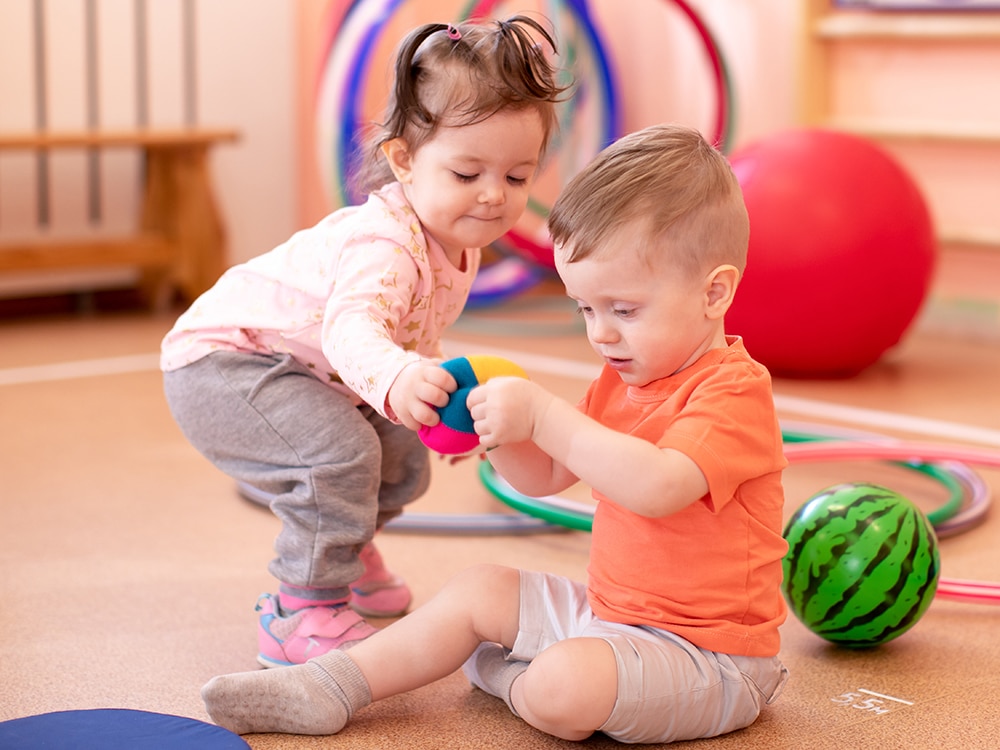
x,y
862,564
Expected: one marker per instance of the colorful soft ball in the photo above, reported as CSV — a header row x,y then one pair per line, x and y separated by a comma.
x,y
862,564
456,433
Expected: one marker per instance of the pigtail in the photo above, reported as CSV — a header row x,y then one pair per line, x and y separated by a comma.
x,y
521,61
407,106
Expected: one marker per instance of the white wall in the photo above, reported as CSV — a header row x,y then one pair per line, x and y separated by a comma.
x,y
249,82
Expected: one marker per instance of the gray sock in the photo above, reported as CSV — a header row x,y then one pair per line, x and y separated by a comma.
x,y
489,670
318,697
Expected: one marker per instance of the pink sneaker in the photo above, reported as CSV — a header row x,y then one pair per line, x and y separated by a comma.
x,y
296,638
378,592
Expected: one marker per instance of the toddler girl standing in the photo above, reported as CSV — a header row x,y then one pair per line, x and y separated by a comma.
x,y
306,371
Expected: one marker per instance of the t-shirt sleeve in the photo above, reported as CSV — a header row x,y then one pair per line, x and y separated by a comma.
x,y
728,427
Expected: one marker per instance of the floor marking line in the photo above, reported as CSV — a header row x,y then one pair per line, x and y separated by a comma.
x,y
887,697
80,369
857,415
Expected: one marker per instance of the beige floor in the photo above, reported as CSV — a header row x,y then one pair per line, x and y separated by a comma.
x,y
129,566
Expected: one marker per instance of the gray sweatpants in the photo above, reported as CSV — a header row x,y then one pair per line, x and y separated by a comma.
x,y
336,471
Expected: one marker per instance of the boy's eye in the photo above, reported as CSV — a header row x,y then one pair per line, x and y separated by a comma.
x,y
517,180
623,312
464,177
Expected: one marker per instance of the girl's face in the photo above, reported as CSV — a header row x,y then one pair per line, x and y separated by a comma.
x,y
469,184
645,322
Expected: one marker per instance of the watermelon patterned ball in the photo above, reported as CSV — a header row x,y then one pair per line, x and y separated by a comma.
x,y
862,564
455,433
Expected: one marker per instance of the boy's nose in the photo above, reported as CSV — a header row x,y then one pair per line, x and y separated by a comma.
x,y
602,332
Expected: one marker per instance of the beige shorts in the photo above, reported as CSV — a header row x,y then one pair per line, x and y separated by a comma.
x,y
668,688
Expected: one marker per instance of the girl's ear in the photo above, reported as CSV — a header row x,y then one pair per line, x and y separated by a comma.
x,y
720,289
397,153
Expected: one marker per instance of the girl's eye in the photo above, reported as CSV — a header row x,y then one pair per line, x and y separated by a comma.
x,y
584,310
464,177
517,180
624,313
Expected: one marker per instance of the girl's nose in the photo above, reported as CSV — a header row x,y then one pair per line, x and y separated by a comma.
x,y
492,194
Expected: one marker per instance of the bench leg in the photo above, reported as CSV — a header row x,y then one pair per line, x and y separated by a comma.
x,y
180,205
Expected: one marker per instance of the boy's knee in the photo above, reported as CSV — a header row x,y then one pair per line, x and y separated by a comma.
x,y
570,688
484,577
483,586
489,596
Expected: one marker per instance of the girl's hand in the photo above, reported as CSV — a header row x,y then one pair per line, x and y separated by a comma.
x,y
418,389
506,409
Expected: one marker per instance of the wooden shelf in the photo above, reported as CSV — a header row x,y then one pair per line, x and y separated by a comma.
x,y
901,27
967,237
912,130
142,138
829,32
143,251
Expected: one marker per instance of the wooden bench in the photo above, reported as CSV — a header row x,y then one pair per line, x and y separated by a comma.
x,y
179,246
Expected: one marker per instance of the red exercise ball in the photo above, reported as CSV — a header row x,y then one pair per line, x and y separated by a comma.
x,y
841,253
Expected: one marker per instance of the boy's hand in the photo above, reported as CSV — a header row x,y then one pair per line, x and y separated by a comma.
x,y
506,409
418,389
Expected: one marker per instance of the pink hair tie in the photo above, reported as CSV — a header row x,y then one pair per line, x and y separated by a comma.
x,y
453,33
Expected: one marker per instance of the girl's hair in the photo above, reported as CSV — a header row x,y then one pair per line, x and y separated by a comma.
x,y
459,75
669,181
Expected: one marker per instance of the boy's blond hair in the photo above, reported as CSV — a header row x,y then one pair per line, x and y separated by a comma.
x,y
667,178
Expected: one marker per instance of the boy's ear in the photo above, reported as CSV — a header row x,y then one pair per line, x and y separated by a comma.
x,y
720,289
397,153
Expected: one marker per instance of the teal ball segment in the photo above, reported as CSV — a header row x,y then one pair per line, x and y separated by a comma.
x,y
862,564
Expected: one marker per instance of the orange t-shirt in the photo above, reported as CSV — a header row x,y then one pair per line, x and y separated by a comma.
x,y
710,573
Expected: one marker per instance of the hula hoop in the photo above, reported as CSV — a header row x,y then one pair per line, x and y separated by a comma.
x,y
946,521
498,281
974,592
723,133
485,524
551,508
945,477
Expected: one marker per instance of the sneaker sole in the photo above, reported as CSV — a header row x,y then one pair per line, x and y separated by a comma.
x,y
365,612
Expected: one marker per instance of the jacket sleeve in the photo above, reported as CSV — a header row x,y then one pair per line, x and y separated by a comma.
x,y
380,281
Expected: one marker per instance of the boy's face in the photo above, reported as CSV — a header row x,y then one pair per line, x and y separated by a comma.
x,y
469,184
646,322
